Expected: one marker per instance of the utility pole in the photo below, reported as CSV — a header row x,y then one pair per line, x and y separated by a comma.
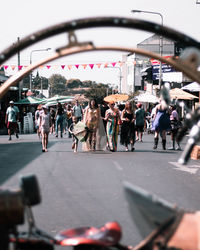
x,y
20,86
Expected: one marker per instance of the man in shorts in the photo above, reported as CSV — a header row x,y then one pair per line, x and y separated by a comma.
x,y
139,121
12,116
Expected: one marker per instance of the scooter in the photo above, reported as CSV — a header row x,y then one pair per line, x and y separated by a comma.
x,y
161,224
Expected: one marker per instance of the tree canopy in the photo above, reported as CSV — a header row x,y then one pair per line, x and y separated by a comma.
x,y
57,84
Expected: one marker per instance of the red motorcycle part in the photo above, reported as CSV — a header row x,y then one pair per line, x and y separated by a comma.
x,y
108,235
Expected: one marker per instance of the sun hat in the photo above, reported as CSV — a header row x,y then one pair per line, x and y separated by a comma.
x,y
11,102
44,107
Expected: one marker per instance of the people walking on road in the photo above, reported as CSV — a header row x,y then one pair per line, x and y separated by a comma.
x,y
75,139
37,119
78,111
12,116
103,108
45,124
161,124
112,127
69,118
139,122
127,135
91,120
59,119
53,120
175,125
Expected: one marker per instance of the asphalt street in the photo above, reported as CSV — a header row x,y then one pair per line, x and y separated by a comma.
x,y
86,189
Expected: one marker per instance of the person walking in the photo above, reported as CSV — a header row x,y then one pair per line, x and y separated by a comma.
x,y
175,125
77,111
112,127
127,135
59,119
45,124
139,122
37,119
91,120
69,118
75,139
161,124
12,116
53,120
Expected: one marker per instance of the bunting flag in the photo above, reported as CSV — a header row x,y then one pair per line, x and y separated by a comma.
x,y
91,66
98,65
13,67
70,66
120,63
84,66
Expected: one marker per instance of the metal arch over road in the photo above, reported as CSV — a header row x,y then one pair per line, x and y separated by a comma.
x,y
89,48
92,22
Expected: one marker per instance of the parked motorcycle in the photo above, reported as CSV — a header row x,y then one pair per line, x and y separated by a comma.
x,y
162,225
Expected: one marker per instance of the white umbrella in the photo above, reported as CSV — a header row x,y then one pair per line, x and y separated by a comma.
x,y
192,87
147,97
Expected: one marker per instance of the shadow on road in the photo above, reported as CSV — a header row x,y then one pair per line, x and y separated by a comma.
x,y
15,156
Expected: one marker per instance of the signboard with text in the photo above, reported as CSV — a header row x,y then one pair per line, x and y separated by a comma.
x,y
165,69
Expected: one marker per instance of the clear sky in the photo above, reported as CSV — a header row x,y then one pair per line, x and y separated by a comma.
x,y
22,17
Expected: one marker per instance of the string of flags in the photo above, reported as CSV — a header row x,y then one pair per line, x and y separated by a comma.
x,y
71,66
68,66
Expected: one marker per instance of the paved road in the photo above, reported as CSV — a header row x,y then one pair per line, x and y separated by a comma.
x,y
87,188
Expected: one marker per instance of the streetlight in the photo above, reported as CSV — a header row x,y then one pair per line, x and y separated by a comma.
x,y
161,39
120,76
31,63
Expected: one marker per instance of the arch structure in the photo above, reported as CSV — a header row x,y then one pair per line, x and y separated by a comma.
x,y
187,63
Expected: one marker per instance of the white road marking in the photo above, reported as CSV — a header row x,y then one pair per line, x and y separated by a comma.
x,y
192,169
117,165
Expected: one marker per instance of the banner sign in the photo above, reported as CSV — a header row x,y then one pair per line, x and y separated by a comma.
x,y
165,69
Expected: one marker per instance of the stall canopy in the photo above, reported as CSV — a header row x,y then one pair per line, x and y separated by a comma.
x,y
58,98
181,94
30,100
192,87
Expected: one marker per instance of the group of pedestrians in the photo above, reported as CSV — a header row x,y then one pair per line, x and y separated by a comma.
x,y
103,124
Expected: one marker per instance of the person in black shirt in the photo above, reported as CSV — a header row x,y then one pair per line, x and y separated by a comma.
x,y
59,119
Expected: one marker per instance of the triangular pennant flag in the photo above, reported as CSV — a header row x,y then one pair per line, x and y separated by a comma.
x,y
5,66
48,66
84,66
113,64
55,66
99,65
120,63
62,66
13,67
77,65
69,66
105,65
91,66
20,67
